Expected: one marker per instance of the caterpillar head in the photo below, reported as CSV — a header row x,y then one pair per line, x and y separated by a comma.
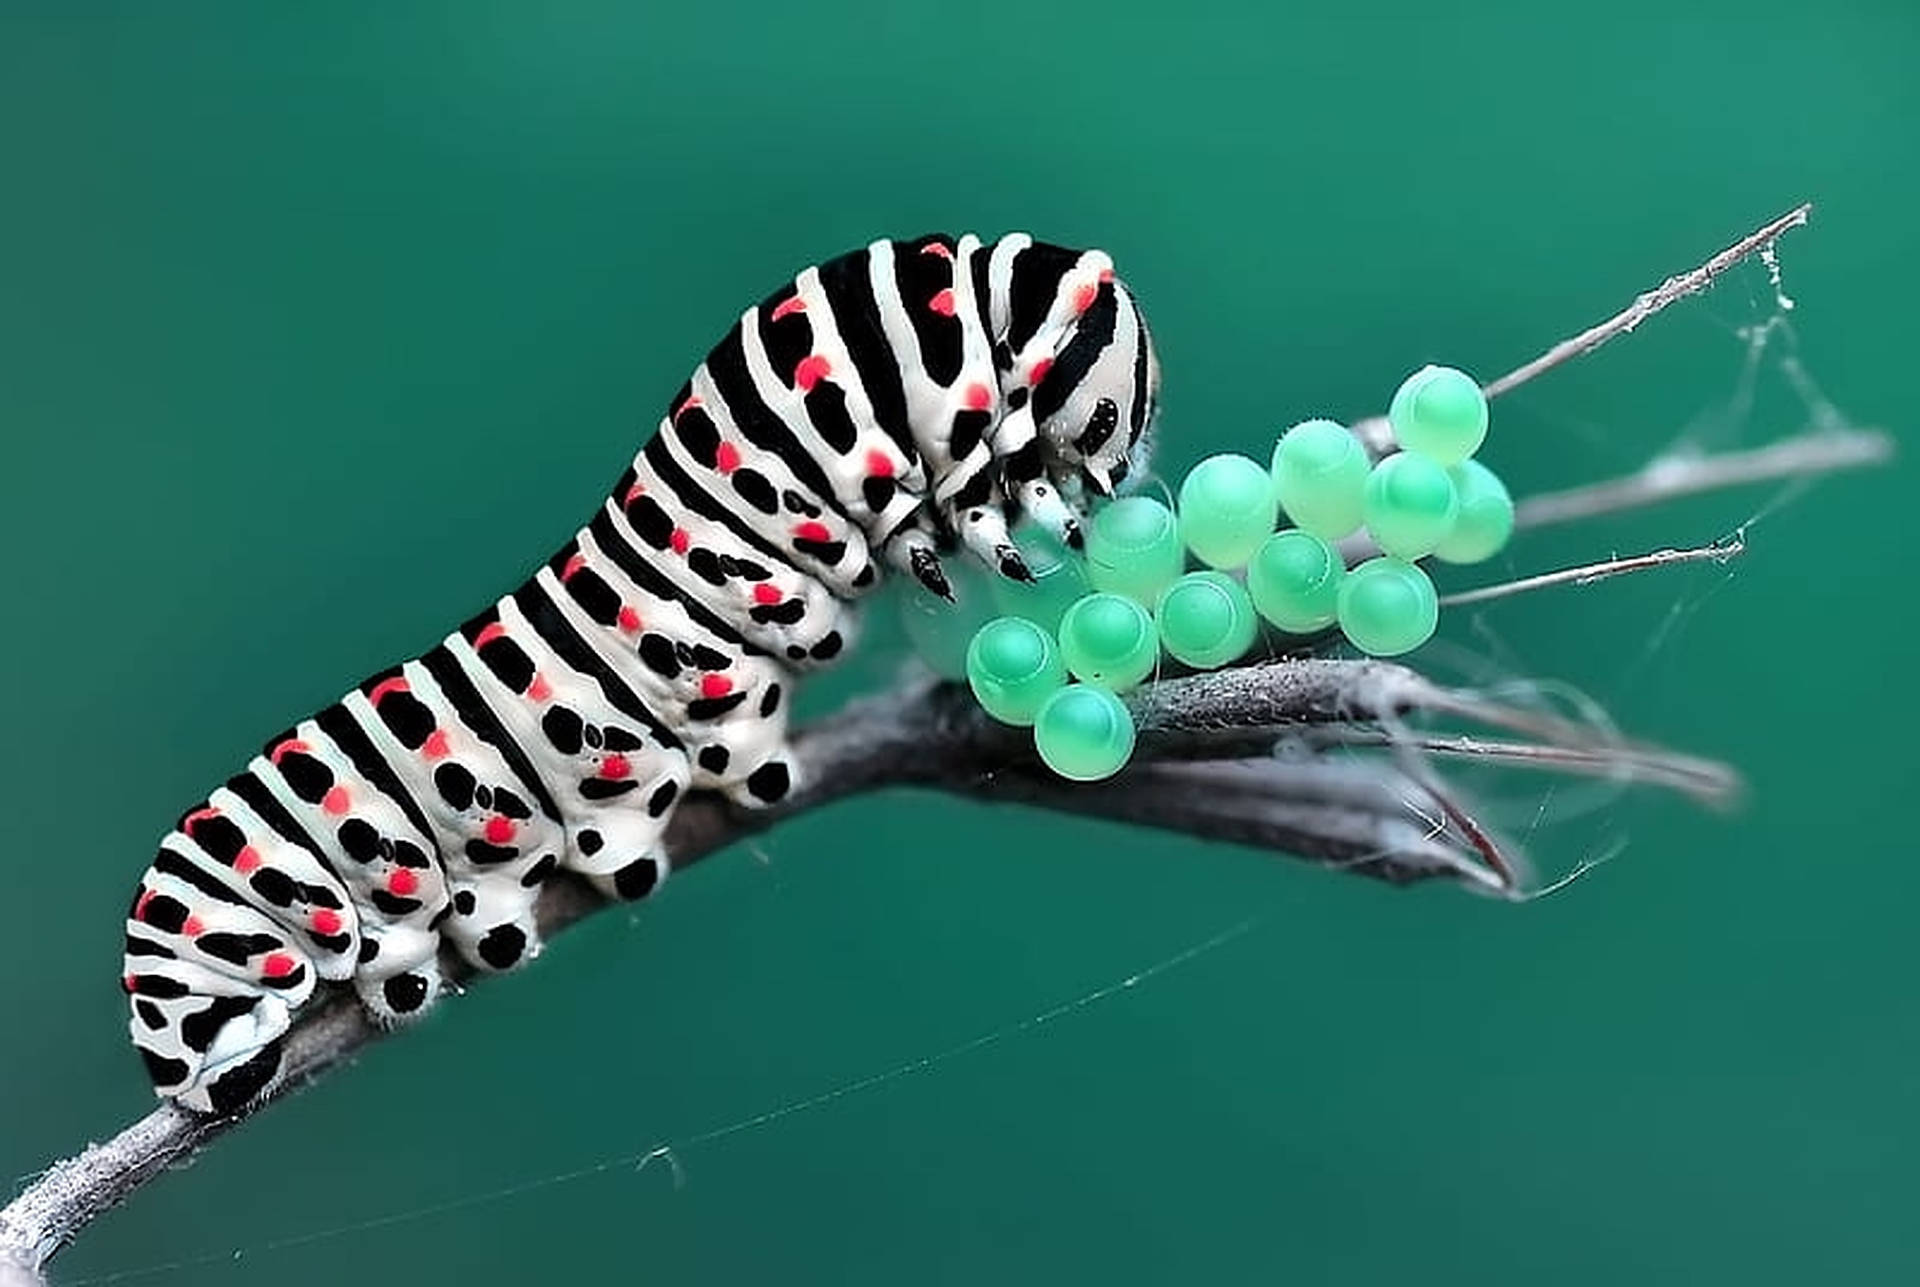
x,y
1096,403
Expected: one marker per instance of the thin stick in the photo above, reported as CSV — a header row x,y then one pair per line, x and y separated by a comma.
x,y
1674,288
1718,552
1671,477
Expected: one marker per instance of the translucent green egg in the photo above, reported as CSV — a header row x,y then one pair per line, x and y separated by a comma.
x,y
1387,607
1013,666
1060,577
1109,640
1294,581
1227,507
1439,412
1084,733
1320,476
1133,548
1410,505
1206,620
940,631
1486,515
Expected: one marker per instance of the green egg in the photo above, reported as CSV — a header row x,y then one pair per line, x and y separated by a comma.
x,y
1134,548
1084,733
1294,581
1387,607
1013,667
1227,507
1109,641
1320,476
1410,505
1440,413
1206,620
1485,521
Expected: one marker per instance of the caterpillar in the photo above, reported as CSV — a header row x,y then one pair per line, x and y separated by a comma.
x,y
877,412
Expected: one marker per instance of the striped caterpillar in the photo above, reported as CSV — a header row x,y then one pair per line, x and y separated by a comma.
x,y
879,410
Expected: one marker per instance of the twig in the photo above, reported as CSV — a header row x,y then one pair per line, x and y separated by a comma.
x,y
1674,288
1671,477
1718,552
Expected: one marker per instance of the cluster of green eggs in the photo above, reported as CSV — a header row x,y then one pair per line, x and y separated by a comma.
x,y
1065,646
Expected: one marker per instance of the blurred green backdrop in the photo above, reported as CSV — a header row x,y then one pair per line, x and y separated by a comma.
x,y
318,325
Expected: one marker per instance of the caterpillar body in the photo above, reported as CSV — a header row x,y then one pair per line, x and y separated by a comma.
x,y
873,413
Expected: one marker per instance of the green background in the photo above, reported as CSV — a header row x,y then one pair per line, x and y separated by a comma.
x,y
318,325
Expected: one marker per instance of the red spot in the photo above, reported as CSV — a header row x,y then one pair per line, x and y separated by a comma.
x,y
629,619
692,401
403,882
812,530
942,303
192,927
1039,371
488,633
246,860
811,370
1083,298
140,908
539,690
287,747
715,685
385,686
879,464
326,921
1106,274
979,397
130,982
680,540
939,248
615,767
198,815
727,458
633,491
499,830
768,593
278,965
574,564
435,747
335,801
793,304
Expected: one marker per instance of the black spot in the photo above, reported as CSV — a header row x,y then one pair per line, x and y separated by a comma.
x,y
770,701
787,612
408,854
1100,426
799,504
796,653
708,658
604,789
236,1088
463,902
563,729
219,836
482,854
594,595
589,841
158,985
968,427
359,838
369,947
714,759
863,578
509,662
829,646
770,782
149,1013
650,522
236,949
1003,355
699,435
456,785
165,912
538,873
877,490
510,803
393,904
502,946
755,490
404,993
827,407
662,798
408,717
483,796
706,565
275,886
1016,399
636,879
712,708
657,653
306,775
164,1071
198,1029
145,947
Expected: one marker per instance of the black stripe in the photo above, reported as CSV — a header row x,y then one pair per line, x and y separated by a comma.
x,y
1137,413
190,872
338,723
856,316
606,532
727,365
474,712
700,501
275,815
551,625
919,277
1090,340
1036,275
